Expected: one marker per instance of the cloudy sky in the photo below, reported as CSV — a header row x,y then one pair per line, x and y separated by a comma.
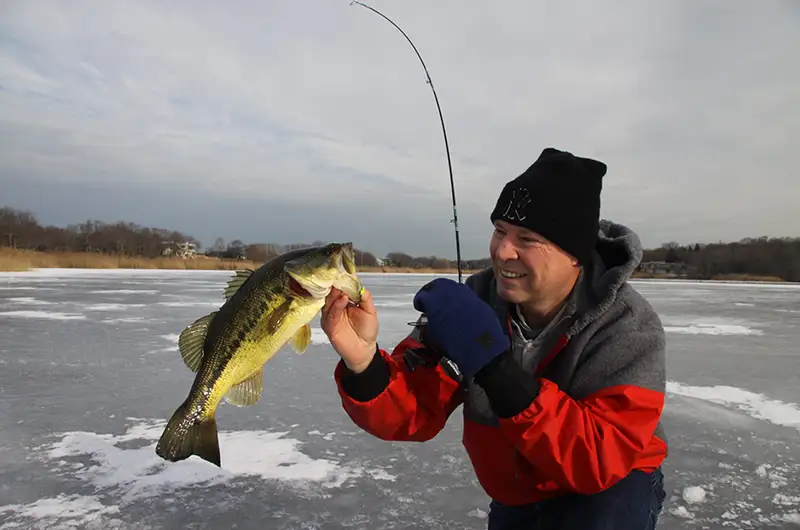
x,y
283,121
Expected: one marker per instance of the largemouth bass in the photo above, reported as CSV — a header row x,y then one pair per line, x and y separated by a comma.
x,y
265,309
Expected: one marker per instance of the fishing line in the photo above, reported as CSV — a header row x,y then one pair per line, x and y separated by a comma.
x,y
454,220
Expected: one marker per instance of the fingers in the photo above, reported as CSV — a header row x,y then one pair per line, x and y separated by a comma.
x,y
337,307
334,296
366,302
330,299
337,302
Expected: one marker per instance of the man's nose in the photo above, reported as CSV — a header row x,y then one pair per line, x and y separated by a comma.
x,y
506,251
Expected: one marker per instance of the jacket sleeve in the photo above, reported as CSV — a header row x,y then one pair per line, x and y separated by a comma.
x,y
588,444
392,402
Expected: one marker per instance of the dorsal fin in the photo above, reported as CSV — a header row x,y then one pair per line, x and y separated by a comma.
x,y
237,281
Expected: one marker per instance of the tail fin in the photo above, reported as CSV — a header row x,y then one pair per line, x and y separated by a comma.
x,y
184,437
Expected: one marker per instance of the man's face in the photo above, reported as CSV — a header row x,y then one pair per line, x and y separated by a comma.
x,y
527,266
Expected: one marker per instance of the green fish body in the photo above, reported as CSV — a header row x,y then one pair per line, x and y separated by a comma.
x,y
264,310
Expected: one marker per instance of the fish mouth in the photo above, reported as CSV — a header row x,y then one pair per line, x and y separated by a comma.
x,y
346,280
346,259
331,266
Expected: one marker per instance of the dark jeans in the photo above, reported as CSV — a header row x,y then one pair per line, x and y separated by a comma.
x,y
634,503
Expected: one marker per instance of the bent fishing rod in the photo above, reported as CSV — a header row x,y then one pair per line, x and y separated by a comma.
x,y
454,220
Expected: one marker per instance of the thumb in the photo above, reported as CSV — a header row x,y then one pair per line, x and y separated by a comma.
x,y
366,303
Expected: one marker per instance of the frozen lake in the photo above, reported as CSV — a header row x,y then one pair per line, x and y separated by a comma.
x,y
89,372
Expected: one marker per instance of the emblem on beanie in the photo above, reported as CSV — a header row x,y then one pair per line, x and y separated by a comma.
x,y
515,210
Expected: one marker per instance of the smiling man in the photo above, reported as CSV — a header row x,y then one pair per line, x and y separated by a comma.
x,y
557,360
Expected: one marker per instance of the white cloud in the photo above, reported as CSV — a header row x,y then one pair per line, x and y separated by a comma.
x,y
692,106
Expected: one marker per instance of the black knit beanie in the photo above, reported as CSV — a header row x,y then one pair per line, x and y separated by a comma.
x,y
557,197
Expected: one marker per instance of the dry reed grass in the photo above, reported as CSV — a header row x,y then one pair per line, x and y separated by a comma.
x,y
23,260
15,260
720,277
746,278
413,270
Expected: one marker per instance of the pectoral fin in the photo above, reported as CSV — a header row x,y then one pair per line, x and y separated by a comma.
x,y
190,342
247,392
275,320
301,339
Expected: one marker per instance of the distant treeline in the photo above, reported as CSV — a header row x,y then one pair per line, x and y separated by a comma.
x,y
777,257
763,256
20,229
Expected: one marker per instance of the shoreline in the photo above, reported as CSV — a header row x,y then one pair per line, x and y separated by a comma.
x,y
20,261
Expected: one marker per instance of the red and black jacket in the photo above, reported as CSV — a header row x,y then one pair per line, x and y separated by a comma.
x,y
581,420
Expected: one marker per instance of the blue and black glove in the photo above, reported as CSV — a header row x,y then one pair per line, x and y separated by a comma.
x,y
464,327
468,331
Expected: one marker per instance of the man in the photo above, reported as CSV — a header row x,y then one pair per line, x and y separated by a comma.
x,y
558,361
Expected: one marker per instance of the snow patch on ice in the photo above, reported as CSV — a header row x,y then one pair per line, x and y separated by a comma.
x,y
380,474
73,510
713,329
394,303
125,291
776,475
26,300
477,512
694,494
124,320
682,512
697,325
45,315
111,307
132,474
193,303
327,437
793,517
786,500
756,405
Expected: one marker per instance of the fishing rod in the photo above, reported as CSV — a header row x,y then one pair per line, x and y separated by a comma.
x,y
454,220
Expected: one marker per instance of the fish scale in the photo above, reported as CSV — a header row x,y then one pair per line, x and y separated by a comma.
x,y
264,310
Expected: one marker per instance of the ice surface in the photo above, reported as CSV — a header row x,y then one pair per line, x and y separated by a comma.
x,y
89,372
757,405
47,315
318,336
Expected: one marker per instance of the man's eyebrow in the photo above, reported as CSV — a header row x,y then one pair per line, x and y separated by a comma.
x,y
531,235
